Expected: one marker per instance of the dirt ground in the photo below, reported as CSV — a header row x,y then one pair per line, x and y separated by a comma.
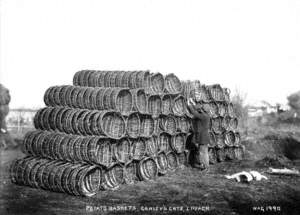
x,y
186,191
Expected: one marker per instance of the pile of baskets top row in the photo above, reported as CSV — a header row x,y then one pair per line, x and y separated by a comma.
x,y
110,128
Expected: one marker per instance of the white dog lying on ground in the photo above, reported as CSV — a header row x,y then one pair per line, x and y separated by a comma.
x,y
246,176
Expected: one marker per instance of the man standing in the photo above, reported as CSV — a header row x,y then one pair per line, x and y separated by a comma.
x,y
200,139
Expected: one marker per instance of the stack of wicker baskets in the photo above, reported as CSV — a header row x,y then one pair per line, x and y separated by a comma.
x,y
109,128
215,100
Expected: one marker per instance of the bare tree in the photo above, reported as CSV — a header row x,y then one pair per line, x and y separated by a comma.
x,y
238,99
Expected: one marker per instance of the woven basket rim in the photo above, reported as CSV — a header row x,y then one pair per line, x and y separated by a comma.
x,y
172,75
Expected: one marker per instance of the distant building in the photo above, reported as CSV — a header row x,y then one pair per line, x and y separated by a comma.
x,y
263,107
20,117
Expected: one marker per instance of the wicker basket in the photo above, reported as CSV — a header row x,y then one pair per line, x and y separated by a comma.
x,y
13,170
48,97
88,77
108,123
62,95
172,84
49,118
221,109
186,89
68,98
66,121
56,95
154,105
34,170
88,120
114,177
220,155
167,103
183,158
179,106
139,100
142,79
229,153
151,146
212,140
168,124
37,120
226,122
162,163
119,99
123,151
100,77
216,92
157,128
178,142
43,173
91,178
81,121
237,141
118,79
28,141
126,79
66,177
38,144
75,97
85,180
132,80
88,101
54,177
210,108
52,118
173,163
164,142
72,124
130,172
98,98
113,79
233,123
80,99
201,93
84,148
157,83
229,138
147,169
230,110
138,147
212,155
133,125
216,125
108,75
183,124
238,153
28,166
220,141
65,147
147,126
105,152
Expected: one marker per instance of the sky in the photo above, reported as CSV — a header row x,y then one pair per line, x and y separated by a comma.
x,y
252,46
